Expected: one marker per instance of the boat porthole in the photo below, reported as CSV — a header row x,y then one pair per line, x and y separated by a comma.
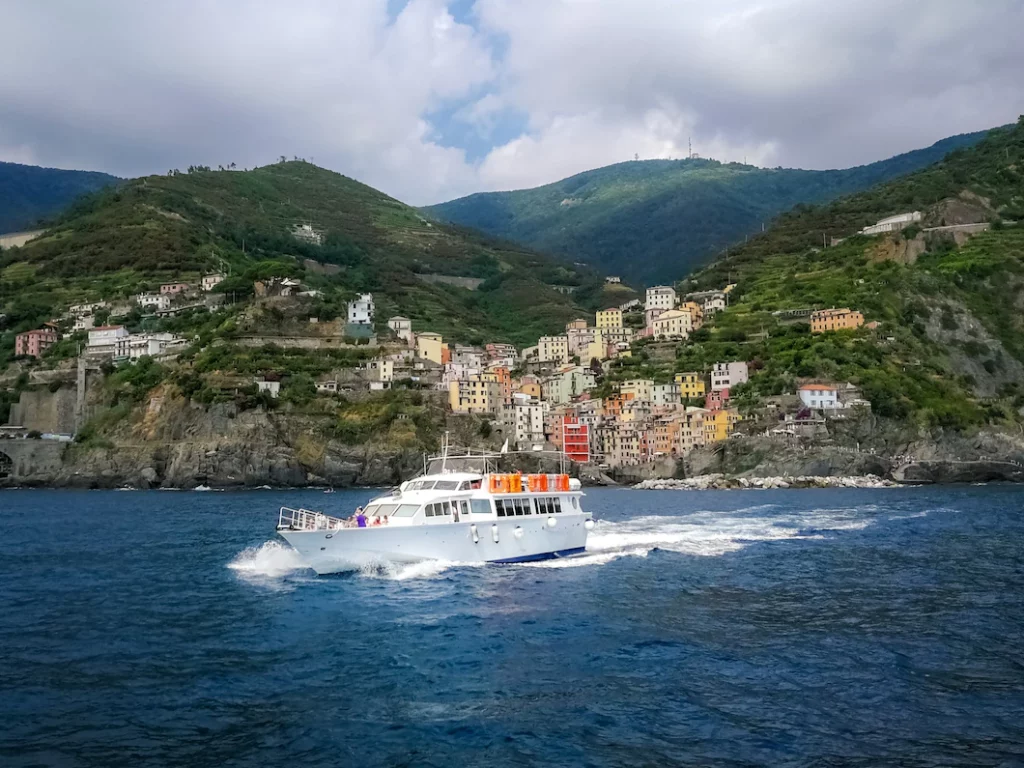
x,y
329,535
322,548
575,503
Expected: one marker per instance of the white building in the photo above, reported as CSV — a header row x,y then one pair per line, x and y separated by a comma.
x,y
820,396
360,311
137,345
87,309
728,375
660,297
401,326
665,394
273,387
103,341
526,418
553,349
210,282
672,324
157,301
893,223
83,322
714,303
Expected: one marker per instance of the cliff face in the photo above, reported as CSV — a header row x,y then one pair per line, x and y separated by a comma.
x,y
174,443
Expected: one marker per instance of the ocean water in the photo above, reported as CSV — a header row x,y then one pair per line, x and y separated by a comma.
x,y
803,628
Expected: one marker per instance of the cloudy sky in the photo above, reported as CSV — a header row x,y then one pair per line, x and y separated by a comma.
x,y
432,99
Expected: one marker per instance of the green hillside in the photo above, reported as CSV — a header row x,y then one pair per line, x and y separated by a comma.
x,y
654,220
29,193
125,239
949,347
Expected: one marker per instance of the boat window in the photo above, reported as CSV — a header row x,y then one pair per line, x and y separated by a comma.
x,y
446,485
575,502
464,485
447,506
386,510
522,506
464,507
405,510
504,507
481,506
422,485
370,510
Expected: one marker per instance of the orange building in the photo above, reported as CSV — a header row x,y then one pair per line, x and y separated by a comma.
x,y
823,320
504,378
613,404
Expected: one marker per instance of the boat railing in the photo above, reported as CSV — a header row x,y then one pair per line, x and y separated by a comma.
x,y
307,520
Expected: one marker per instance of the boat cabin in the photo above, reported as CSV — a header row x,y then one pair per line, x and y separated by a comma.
x,y
454,497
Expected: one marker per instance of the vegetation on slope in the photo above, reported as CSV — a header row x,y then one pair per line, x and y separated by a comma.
x,y
654,220
29,193
122,240
950,344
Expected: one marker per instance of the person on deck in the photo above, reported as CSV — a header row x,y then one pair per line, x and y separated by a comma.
x,y
360,517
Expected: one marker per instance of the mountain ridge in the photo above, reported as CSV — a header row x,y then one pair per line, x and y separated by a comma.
x,y
29,193
655,220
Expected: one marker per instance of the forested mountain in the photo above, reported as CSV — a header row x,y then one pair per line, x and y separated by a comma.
x,y
128,238
948,350
29,193
656,220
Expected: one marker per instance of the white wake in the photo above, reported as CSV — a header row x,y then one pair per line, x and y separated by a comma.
x,y
700,534
272,559
704,534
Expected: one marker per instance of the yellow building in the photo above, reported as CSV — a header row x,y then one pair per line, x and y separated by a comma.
x,y
718,425
476,394
691,385
609,318
430,346
823,320
696,313
531,388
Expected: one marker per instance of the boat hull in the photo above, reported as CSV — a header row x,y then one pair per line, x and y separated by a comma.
x,y
354,548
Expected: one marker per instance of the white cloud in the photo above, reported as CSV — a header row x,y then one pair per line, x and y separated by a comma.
x,y
133,88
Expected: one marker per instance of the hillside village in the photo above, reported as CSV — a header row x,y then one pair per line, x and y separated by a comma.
x,y
569,392
865,331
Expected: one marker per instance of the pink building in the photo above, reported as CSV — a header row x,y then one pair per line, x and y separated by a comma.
x,y
34,343
173,288
717,400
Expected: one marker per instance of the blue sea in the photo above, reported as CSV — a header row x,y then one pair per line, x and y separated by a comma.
x,y
789,628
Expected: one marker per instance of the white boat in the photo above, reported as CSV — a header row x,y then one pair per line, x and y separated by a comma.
x,y
453,514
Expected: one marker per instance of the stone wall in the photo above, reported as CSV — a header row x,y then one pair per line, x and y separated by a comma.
x,y
46,411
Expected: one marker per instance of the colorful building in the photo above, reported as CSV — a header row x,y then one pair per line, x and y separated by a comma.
x,y
35,343
609,318
575,440
691,385
430,346
718,425
477,394
823,320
